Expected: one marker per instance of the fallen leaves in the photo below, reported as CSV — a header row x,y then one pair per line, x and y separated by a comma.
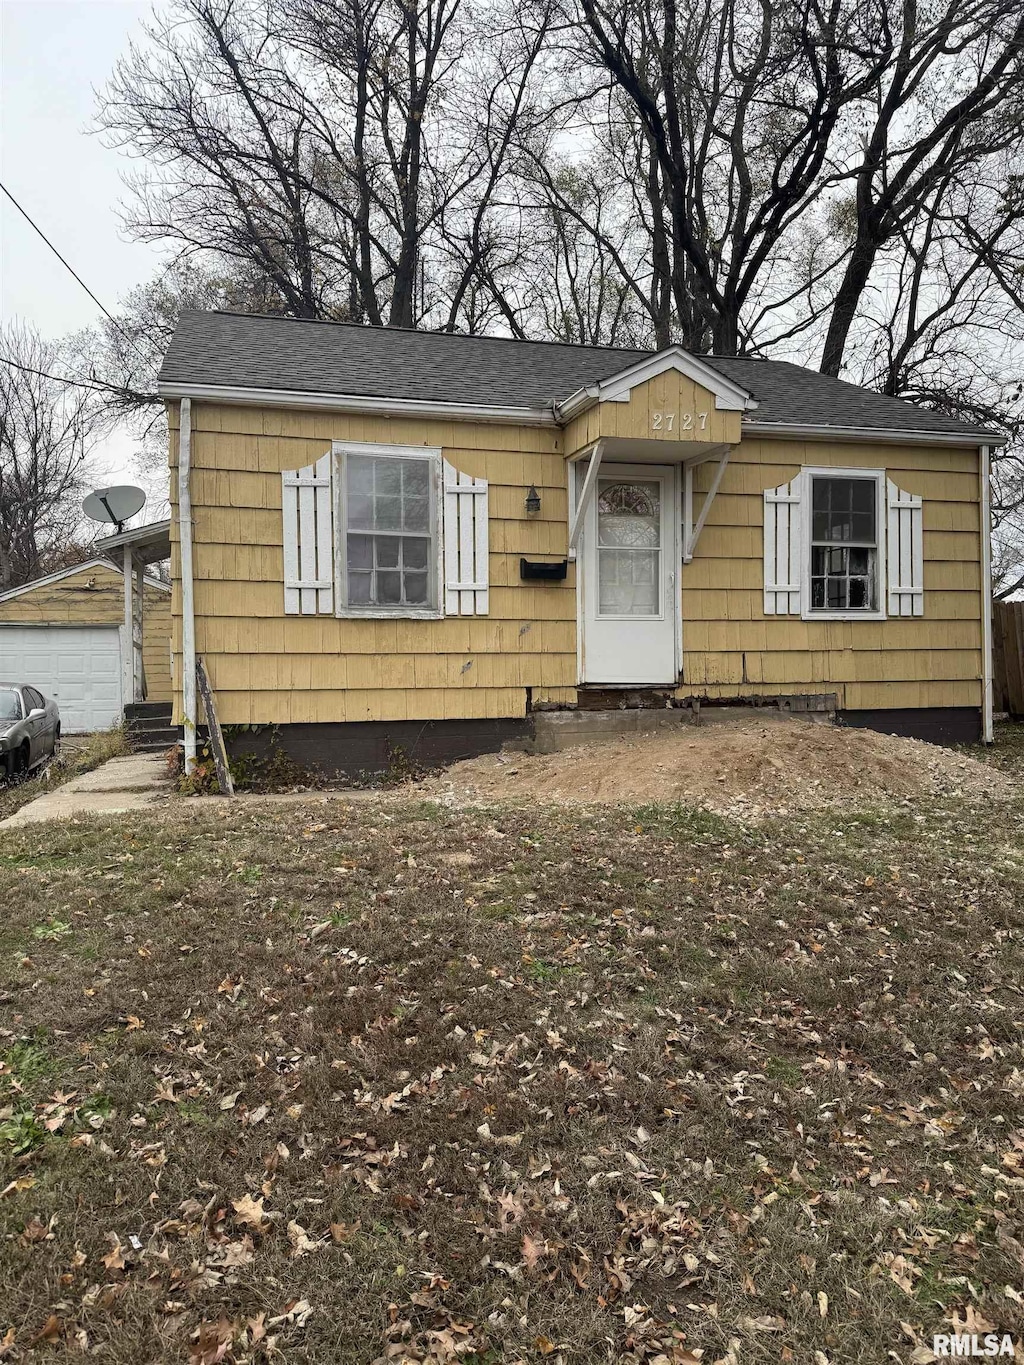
x,y
670,1090
250,1211
114,1259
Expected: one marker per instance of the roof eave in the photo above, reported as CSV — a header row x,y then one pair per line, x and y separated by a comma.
x,y
967,440
154,537
357,403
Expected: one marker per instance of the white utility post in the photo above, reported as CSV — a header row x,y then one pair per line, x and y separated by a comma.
x,y
128,630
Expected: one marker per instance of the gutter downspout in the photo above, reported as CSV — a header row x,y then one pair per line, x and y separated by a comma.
x,y
188,618
986,594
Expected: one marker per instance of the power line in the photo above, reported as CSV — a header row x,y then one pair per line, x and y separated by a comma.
x,y
34,225
97,384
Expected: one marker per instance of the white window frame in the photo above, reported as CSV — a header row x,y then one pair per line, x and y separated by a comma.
x,y
432,456
810,473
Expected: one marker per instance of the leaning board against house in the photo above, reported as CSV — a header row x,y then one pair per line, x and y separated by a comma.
x,y
364,554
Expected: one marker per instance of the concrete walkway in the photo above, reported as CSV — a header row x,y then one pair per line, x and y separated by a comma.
x,y
120,784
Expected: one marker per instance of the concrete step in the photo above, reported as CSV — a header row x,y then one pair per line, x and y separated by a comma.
x,y
154,741
147,724
148,710
558,730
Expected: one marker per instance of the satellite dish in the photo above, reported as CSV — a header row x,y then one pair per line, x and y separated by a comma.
x,y
114,504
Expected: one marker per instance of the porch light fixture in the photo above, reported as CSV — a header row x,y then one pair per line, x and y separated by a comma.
x,y
533,499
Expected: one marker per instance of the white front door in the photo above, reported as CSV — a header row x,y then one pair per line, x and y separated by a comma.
x,y
628,577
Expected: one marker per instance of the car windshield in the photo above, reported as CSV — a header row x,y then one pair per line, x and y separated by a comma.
x,y
10,708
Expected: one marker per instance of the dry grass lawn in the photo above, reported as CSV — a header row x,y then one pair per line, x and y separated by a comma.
x,y
392,1081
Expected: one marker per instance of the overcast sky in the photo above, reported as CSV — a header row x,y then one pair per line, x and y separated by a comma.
x,y
54,55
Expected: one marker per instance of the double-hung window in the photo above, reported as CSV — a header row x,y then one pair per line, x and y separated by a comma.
x,y
388,524
845,518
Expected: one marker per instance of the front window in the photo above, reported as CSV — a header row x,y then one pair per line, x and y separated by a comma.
x,y
10,707
844,544
389,519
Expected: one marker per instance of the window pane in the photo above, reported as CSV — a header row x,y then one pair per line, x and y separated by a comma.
x,y
864,496
389,587
818,593
415,478
387,478
387,514
628,514
360,512
416,589
864,527
628,582
359,586
360,552
859,560
859,595
415,552
388,550
417,514
360,474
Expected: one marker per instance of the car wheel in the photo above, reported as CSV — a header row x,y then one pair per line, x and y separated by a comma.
x,y
56,742
24,758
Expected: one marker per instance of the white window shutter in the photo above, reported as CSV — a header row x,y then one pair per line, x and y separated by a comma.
x,y
905,551
465,543
308,539
783,540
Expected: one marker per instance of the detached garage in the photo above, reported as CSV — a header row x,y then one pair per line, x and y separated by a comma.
x,y
63,634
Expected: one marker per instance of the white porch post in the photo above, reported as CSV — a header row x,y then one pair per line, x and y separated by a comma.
x,y
139,669
188,620
128,630
985,473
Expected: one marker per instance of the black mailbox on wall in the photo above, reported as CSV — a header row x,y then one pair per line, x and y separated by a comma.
x,y
549,573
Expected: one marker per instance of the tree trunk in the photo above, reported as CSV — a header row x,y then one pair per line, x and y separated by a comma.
x,y
847,301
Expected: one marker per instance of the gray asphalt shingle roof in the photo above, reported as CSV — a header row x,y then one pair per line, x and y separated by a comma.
x,y
258,352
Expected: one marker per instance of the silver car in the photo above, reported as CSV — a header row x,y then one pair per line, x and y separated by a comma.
x,y
29,728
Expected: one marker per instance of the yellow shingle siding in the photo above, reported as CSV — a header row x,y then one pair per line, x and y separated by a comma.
x,y
730,648
271,668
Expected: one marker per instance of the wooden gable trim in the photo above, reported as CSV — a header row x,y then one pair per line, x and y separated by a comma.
x,y
98,563
729,396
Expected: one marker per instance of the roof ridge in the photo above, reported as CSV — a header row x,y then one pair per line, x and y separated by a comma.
x,y
478,336
421,331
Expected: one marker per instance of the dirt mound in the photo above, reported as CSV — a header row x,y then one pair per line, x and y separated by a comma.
x,y
745,763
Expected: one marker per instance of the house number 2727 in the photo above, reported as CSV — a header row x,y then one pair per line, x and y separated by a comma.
x,y
685,421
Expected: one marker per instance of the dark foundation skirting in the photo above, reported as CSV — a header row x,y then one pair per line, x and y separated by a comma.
x,y
355,747
936,724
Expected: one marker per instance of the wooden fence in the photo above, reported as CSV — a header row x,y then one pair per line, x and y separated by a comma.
x,y
1008,657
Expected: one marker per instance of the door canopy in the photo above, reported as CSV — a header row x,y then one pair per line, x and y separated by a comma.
x,y
672,397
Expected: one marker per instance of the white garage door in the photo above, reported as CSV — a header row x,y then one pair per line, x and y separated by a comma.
x,y
78,666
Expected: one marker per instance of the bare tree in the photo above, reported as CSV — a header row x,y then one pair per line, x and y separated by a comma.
x,y
941,92
738,105
343,152
47,432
